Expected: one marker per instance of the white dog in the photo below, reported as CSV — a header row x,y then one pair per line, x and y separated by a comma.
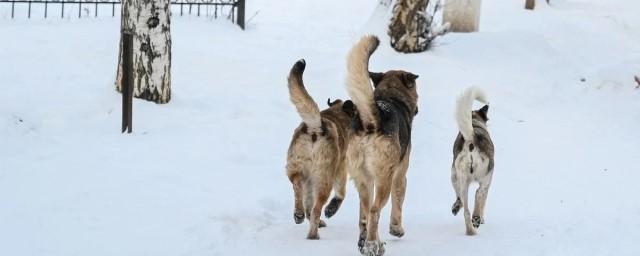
x,y
472,157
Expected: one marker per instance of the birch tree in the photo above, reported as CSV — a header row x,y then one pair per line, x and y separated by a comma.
x,y
463,15
149,21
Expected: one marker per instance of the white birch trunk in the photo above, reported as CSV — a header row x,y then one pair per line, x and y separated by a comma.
x,y
463,15
149,20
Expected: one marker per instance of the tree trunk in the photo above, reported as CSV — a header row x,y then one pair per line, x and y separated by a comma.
x,y
463,15
149,21
411,27
407,24
530,4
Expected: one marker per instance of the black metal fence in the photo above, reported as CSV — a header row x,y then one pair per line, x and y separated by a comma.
x,y
232,9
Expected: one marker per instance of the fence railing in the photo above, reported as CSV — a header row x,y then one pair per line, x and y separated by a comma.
x,y
233,9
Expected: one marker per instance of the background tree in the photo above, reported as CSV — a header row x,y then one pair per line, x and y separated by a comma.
x,y
149,21
463,15
412,28
530,4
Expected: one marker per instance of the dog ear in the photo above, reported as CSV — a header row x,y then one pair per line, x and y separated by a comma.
x,y
332,103
376,77
409,79
483,112
349,108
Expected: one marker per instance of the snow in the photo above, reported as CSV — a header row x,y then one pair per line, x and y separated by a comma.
x,y
204,174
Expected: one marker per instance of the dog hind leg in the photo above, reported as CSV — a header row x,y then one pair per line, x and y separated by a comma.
x,y
365,191
373,246
464,191
398,190
308,202
455,208
308,197
481,200
323,190
339,188
298,209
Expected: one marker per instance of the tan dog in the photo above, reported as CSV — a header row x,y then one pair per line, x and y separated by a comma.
x,y
383,139
316,157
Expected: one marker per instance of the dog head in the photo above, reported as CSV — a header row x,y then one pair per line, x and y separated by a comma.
x,y
347,107
481,114
398,84
348,110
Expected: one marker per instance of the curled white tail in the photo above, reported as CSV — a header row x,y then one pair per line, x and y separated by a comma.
x,y
464,106
358,80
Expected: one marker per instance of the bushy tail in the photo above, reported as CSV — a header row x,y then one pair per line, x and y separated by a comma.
x,y
463,110
307,108
358,81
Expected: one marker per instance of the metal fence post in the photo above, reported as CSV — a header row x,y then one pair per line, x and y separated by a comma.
x,y
240,15
127,80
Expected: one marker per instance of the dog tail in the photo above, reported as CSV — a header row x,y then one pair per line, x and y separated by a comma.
x,y
463,110
358,80
307,108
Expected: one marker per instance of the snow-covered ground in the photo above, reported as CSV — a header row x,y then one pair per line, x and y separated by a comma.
x,y
204,175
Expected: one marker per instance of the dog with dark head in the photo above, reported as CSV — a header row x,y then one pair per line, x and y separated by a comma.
x,y
472,157
383,142
317,153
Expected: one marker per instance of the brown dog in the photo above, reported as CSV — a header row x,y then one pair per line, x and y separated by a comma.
x,y
316,157
384,139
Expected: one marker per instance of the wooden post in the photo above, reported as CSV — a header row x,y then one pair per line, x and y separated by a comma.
x,y
127,80
530,4
240,15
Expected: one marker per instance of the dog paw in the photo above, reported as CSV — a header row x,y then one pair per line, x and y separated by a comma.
x,y
476,221
456,207
396,230
372,248
361,239
322,224
313,236
298,217
471,232
333,207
